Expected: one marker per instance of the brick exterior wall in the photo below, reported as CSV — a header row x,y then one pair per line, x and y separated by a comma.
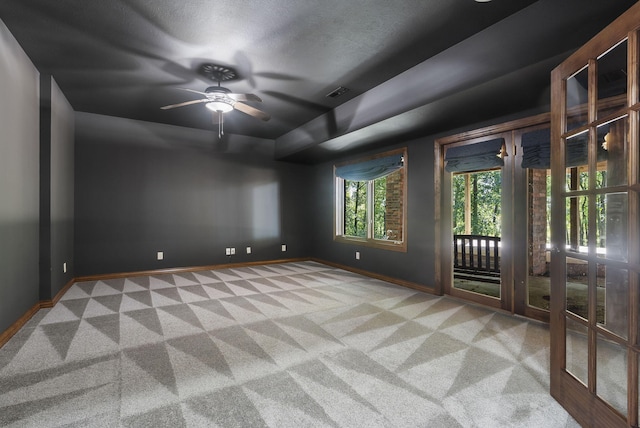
x,y
394,208
538,221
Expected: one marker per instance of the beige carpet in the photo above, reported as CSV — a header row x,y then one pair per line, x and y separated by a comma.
x,y
283,345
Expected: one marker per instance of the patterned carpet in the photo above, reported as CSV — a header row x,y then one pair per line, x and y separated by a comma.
x,y
281,345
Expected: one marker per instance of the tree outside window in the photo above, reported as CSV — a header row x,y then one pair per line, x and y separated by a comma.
x,y
483,190
355,208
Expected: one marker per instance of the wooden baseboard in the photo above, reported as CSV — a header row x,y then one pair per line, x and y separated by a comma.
x,y
51,303
16,326
20,322
99,277
401,282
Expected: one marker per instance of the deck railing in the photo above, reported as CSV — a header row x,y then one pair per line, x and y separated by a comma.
x,y
476,257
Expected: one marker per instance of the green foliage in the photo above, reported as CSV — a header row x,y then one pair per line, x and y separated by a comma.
x,y
458,204
485,191
355,208
486,211
581,216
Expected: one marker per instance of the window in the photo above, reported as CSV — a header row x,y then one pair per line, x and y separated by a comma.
x,y
371,201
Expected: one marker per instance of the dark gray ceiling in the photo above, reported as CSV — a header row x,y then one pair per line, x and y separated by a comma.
x,y
413,67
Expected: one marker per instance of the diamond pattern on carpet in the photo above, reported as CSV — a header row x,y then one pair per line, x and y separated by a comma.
x,y
278,345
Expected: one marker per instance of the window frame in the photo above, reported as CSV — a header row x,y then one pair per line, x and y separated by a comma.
x,y
338,207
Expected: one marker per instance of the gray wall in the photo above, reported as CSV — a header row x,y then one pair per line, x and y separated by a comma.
x,y
61,190
36,178
19,178
417,264
143,188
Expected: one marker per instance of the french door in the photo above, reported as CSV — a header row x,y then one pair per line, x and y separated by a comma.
x,y
478,266
595,221
498,218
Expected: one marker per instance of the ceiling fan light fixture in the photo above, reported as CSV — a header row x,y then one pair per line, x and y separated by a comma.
x,y
219,106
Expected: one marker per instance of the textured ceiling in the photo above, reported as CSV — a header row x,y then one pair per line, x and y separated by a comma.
x,y
413,67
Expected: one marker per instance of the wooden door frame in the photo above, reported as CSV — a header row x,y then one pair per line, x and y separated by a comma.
x,y
444,247
522,210
587,408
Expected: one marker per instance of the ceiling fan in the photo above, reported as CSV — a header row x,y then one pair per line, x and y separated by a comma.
x,y
221,100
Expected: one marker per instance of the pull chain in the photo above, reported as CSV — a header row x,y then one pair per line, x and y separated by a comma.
x,y
220,124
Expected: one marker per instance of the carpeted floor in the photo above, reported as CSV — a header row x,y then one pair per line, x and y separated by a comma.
x,y
282,345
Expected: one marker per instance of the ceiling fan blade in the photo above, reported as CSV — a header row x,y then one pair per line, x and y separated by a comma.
x,y
192,90
252,111
186,103
245,97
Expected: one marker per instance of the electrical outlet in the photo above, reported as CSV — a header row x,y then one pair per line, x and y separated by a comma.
x,y
248,250
160,255
357,255
233,251
64,267
284,247
227,251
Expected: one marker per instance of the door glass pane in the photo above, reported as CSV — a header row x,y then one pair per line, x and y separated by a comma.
x,y
577,96
613,153
635,173
539,238
636,276
611,373
576,160
477,217
612,79
612,228
613,299
577,219
577,287
577,350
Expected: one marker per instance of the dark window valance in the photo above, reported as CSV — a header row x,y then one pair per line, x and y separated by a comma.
x,y
370,169
536,149
474,157
577,150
